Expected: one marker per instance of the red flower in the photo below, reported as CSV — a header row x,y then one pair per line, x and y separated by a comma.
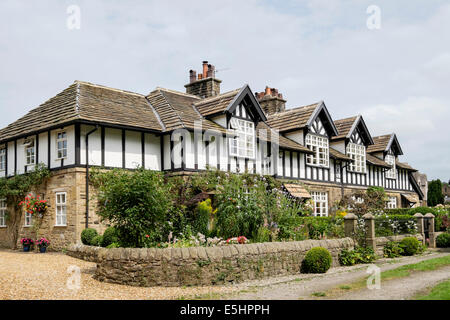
x,y
147,236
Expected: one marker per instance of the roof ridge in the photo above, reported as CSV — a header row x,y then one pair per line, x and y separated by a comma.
x,y
175,92
176,112
222,95
296,109
108,88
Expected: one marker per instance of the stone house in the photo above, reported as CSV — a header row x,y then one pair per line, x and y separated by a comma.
x,y
185,132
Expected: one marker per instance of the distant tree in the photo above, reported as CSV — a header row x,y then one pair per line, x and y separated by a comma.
x,y
435,195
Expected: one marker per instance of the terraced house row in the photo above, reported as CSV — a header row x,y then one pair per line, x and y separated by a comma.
x,y
186,132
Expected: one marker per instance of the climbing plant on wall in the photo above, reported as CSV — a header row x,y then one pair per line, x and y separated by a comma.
x,y
14,190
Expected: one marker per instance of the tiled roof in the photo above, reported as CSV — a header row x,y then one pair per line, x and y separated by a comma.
x,y
215,104
292,118
376,162
339,155
403,165
297,191
176,110
284,142
343,126
380,143
86,101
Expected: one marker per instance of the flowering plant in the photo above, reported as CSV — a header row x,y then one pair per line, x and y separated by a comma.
x,y
237,240
26,241
34,205
43,242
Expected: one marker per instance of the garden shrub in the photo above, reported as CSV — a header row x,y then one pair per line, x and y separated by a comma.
x,y
392,249
321,227
263,235
443,240
136,203
410,246
113,245
317,260
109,236
203,217
388,225
97,241
87,235
358,255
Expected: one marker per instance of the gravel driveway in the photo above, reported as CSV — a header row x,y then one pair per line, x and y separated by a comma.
x,y
31,276
303,286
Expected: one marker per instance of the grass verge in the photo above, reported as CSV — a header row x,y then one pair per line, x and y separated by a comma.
x,y
400,272
439,292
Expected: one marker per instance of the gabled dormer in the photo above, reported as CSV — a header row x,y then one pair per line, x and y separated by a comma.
x,y
387,148
353,139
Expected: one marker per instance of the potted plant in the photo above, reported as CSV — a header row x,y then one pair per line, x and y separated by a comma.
x,y
27,244
43,243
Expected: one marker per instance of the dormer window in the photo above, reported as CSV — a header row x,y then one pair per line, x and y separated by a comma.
x,y
30,157
391,173
243,145
319,145
358,153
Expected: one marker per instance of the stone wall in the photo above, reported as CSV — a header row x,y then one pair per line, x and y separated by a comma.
x,y
71,181
381,241
202,265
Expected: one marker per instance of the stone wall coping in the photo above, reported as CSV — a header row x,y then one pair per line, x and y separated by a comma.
x,y
217,253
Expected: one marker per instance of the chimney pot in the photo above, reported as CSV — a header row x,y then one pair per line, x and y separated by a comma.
x,y
192,76
267,92
205,69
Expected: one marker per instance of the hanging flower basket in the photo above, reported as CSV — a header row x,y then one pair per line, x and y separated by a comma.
x,y
35,206
27,244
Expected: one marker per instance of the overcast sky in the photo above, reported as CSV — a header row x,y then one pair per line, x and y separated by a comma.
x,y
397,77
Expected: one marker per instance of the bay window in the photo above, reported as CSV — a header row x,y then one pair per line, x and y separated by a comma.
x,y
320,200
2,159
319,145
358,153
391,173
243,145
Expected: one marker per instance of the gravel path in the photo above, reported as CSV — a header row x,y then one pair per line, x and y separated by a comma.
x,y
303,286
402,288
33,276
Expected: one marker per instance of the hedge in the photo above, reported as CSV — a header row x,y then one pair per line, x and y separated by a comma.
x,y
442,215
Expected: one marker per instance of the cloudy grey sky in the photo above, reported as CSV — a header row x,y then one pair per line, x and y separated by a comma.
x,y
397,77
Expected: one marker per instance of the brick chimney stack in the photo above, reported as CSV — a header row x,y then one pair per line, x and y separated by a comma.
x,y
271,101
206,85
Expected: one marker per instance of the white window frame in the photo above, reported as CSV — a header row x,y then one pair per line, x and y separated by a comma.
x,y
320,200
320,146
2,159
391,203
61,209
391,173
28,219
358,153
3,208
30,159
61,137
244,145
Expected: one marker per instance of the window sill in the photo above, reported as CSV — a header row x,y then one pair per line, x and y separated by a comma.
x,y
59,159
4,227
27,226
60,225
318,166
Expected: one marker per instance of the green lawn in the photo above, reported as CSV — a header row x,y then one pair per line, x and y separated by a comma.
x,y
439,292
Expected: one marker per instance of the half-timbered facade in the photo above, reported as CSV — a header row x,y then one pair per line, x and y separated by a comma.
x,y
166,130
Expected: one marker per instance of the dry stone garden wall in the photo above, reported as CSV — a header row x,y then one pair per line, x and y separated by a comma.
x,y
202,265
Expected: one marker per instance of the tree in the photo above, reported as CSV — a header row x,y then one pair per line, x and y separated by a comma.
x,y
435,195
15,189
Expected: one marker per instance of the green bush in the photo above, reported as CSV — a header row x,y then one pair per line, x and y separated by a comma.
x,y
358,255
320,227
109,236
317,260
443,240
97,241
392,249
263,235
136,203
410,246
113,245
395,224
87,235
203,217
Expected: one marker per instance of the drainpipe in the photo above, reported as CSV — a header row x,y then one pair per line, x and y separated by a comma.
x,y
87,174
